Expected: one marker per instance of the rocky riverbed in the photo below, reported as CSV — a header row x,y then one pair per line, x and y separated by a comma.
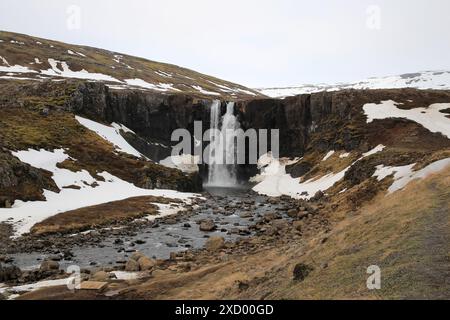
x,y
222,217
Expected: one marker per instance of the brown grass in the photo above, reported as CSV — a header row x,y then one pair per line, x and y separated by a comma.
x,y
100,215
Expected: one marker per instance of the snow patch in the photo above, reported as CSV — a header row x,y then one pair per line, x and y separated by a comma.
x,y
328,155
273,180
186,163
65,72
110,134
404,174
200,89
24,215
144,84
431,118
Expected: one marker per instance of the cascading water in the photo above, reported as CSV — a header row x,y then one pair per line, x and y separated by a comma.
x,y
222,152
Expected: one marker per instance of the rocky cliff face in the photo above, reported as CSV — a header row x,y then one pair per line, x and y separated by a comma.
x,y
152,116
335,120
309,124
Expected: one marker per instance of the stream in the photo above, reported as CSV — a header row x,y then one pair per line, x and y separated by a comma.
x,y
232,209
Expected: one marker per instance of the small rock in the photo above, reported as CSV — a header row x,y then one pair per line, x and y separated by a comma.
x,y
215,243
292,213
207,225
301,271
246,214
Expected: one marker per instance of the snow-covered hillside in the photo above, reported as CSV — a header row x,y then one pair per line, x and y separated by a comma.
x,y
24,57
439,80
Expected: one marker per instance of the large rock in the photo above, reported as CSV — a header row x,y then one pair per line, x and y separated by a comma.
x,y
9,273
215,243
146,264
207,225
100,276
132,266
49,265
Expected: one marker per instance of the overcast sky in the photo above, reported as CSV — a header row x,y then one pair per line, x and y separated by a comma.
x,y
258,43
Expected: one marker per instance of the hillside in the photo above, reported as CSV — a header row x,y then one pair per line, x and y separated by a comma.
x,y
438,80
25,57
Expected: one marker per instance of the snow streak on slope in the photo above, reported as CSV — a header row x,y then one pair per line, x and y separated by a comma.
x,y
110,134
24,215
439,80
431,118
404,174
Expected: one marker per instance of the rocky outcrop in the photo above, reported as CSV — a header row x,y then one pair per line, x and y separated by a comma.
x,y
19,180
335,121
152,116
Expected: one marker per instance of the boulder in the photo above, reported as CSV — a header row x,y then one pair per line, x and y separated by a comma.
x,y
271,216
246,214
8,273
146,264
49,265
292,213
136,256
297,225
100,276
207,225
215,243
132,265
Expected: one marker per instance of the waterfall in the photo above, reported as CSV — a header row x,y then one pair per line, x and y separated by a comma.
x,y
222,152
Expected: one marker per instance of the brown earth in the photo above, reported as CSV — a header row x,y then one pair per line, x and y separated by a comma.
x,y
105,214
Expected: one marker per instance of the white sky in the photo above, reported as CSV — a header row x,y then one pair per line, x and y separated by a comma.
x,y
254,42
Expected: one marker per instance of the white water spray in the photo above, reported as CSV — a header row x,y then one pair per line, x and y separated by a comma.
x,y
222,152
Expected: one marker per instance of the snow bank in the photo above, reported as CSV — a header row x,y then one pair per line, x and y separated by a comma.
x,y
431,118
65,72
204,91
23,215
186,163
13,69
111,134
273,180
36,286
404,174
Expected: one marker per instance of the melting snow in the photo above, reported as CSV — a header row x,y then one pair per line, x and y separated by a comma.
x,y
431,118
144,84
186,162
328,155
14,69
404,174
67,73
274,181
111,134
199,88
24,215
37,285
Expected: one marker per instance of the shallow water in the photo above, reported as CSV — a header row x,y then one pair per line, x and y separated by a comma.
x,y
160,241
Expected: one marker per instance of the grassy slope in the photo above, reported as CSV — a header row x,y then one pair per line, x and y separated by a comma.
x,y
101,61
406,234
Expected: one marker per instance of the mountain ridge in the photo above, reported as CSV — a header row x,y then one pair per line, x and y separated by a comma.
x,y
433,79
24,57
